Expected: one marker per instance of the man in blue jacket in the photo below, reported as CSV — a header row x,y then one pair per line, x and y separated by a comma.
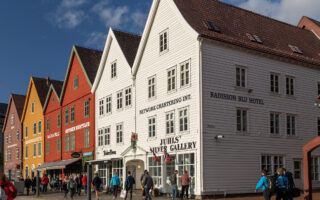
x,y
263,184
129,184
115,184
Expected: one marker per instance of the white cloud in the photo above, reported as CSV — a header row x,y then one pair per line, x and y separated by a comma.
x,y
96,40
139,18
68,14
285,10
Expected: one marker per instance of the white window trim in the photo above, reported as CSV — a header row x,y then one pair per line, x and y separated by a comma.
x,y
176,77
246,77
183,63
174,122
131,94
113,77
188,114
155,87
295,126
155,131
248,121
166,50
104,134
275,134
279,84
272,163
119,143
108,113
122,100
294,86
104,109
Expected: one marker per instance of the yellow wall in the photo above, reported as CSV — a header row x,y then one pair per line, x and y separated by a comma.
x,y
28,121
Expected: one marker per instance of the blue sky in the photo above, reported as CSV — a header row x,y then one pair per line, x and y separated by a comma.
x,y
36,38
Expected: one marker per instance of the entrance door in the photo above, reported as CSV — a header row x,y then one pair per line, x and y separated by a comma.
x,y
136,167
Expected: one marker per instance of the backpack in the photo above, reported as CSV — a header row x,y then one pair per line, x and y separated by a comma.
x,y
272,184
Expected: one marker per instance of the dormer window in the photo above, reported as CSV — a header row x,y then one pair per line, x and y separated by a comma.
x,y
295,49
163,41
254,38
212,27
76,82
114,69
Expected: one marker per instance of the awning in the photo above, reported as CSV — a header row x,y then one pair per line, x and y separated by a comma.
x,y
58,164
94,162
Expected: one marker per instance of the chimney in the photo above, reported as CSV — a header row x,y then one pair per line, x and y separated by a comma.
x,y
310,24
48,81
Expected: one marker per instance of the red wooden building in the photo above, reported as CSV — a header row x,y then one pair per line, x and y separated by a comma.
x,y
77,106
13,137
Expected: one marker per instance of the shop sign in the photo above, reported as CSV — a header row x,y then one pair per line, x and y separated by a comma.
x,y
37,139
75,155
78,127
231,97
110,152
173,144
87,154
165,104
53,135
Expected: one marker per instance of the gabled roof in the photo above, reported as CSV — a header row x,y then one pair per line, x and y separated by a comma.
x,y
129,44
235,23
89,61
314,21
56,87
18,100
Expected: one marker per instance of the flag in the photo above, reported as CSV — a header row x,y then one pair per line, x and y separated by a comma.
x,y
155,157
167,157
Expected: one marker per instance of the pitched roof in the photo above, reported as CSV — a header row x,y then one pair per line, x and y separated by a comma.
x,y
235,23
129,44
57,86
90,59
315,21
42,86
19,103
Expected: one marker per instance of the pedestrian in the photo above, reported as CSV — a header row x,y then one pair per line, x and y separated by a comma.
x,y
129,185
28,184
8,188
282,185
96,182
142,184
84,182
185,183
174,186
72,186
44,183
34,185
263,184
79,184
115,184
291,184
148,185
65,182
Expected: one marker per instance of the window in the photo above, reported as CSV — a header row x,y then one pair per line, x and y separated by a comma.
x,y
17,135
34,128
241,77
107,136
119,133
295,49
101,107
291,125
7,139
34,150
318,126
274,123
163,40
297,169
128,97
39,126
32,107
47,147
58,144
67,116
274,83
315,162
100,137
17,153
26,132
108,104
10,138
212,27
185,73
86,108
271,163
242,120
86,137
254,38
75,82
58,120
27,152
187,162
155,170
39,149
48,124
102,172
12,119
152,126
183,119
119,100
152,87
117,166
8,154
171,76
170,122
67,142
70,142
114,69
290,86
72,115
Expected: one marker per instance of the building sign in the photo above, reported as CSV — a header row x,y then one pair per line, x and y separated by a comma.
x,y
110,152
231,97
76,155
165,104
173,144
53,135
38,139
78,127
14,145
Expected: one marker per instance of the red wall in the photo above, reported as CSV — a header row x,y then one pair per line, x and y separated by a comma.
x,y
76,98
51,112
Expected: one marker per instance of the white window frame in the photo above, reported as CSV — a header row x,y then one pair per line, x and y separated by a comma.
x,y
113,69
152,87
185,74
291,128
290,85
119,133
183,118
275,127
100,137
165,35
244,125
128,96
86,138
170,122
86,108
239,78
12,119
315,171
109,104
107,136
274,83
295,170
172,79
120,100
101,107
272,163
152,126
72,114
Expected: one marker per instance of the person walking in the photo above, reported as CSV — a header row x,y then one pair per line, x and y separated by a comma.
x,y
282,185
28,184
96,182
79,184
129,185
142,184
174,186
72,186
185,183
84,182
65,186
148,185
8,188
44,183
291,184
34,185
263,184
115,184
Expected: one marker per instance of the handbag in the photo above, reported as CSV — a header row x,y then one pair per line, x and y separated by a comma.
x,y
296,192
123,194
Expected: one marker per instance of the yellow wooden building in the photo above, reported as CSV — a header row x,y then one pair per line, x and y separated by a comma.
x,y
33,125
